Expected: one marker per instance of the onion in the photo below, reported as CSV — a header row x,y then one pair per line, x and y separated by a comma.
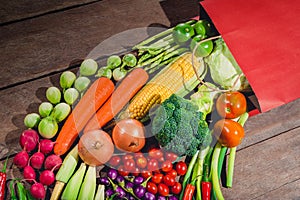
x,y
129,135
95,147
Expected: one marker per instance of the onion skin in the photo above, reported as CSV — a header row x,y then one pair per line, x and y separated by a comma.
x,y
129,135
95,147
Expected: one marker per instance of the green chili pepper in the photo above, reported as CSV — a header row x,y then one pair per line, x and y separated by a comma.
x,y
21,191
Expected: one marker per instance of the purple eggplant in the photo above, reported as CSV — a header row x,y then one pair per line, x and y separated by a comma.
x,y
104,181
109,192
120,192
172,198
138,180
149,196
112,174
129,185
139,191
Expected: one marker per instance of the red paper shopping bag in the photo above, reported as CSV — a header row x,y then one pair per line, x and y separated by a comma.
x,y
264,38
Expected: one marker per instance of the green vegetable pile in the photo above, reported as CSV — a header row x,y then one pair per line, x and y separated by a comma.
x,y
179,127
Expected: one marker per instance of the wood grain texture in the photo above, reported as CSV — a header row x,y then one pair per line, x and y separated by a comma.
x,y
46,44
11,11
265,170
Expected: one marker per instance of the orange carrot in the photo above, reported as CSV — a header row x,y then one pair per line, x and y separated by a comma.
x,y
129,86
91,101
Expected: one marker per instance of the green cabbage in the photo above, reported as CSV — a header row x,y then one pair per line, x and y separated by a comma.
x,y
224,69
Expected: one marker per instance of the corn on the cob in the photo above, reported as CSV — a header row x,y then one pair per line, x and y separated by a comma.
x,y
72,189
88,187
65,172
178,77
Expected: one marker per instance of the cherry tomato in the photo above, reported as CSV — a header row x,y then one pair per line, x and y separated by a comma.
x,y
228,132
122,171
138,154
171,156
151,187
157,178
163,190
176,188
155,153
114,161
152,165
181,168
141,162
127,156
172,173
136,172
230,105
169,180
167,166
129,165
146,174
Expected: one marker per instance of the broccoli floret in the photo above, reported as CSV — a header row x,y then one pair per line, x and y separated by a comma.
x,y
180,128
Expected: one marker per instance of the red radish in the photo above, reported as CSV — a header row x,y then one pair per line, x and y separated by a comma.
x,y
29,139
47,177
21,159
46,146
29,174
37,160
52,161
38,191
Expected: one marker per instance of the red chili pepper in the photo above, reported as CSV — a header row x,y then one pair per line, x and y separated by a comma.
x,y
206,184
3,180
189,192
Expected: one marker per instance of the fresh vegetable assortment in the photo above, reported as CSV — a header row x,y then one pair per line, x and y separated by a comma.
x,y
139,127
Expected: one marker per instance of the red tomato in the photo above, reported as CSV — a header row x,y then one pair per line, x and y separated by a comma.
x,y
138,154
171,156
167,166
230,105
181,168
129,165
146,174
228,132
122,171
141,162
136,172
152,165
163,190
155,153
151,187
127,156
172,173
114,161
169,180
157,178
176,188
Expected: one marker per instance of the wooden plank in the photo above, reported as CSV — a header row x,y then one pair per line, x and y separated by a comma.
x,y
271,123
12,11
38,46
49,43
264,170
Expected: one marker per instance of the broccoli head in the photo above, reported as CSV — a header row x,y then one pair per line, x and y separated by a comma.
x,y
179,127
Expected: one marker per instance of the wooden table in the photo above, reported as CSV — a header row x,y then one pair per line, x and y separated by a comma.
x,y
41,39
